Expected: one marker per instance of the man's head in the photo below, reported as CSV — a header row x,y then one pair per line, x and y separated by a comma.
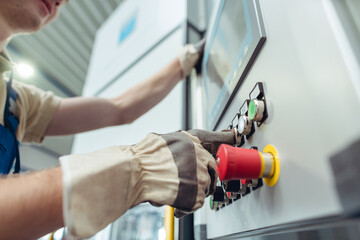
x,y
25,16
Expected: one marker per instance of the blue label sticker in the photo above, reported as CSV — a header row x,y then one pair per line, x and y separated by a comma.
x,y
127,28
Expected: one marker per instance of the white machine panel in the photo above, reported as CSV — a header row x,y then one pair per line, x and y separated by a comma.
x,y
312,102
133,28
153,121
135,42
139,39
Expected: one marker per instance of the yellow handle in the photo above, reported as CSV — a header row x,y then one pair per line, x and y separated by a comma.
x,y
169,222
51,237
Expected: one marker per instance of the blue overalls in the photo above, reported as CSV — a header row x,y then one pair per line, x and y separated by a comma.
x,y
9,145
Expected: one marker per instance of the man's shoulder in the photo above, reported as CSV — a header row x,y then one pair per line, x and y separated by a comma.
x,y
18,85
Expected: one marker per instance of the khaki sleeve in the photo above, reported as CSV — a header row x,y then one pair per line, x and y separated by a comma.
x,y
35,109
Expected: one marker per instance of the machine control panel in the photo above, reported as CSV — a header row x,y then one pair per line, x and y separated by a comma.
x,y
285,97
240,169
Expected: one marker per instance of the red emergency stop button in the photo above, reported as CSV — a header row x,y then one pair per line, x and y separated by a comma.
x,y
237,163
234,163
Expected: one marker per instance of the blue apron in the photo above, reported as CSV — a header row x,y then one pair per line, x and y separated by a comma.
x,y
9,145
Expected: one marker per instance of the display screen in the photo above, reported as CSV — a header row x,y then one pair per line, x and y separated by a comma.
x,y
226,55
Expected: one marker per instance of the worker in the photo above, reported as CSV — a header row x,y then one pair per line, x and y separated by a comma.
x,y
89,191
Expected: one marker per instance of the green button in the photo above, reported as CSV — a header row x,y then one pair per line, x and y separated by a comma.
x,y
211,203
252,110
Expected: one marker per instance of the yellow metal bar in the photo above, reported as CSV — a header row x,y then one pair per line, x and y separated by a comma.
x,y
51,237
169,222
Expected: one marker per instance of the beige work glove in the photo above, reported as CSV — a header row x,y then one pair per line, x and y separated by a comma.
x,y
190,56
171,169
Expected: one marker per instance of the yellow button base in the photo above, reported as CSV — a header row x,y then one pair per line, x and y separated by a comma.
x,y
271,181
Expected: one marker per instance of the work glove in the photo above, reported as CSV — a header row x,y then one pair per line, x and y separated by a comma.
x,y
190,56
210,140
171,169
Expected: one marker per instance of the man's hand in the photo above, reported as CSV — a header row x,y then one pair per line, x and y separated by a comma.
x,y
211,140
200,46
176,169
190,56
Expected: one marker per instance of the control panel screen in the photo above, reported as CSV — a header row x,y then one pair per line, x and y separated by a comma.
x,y
232,41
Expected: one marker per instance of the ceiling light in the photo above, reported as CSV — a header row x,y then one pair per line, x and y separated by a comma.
x,y
25,70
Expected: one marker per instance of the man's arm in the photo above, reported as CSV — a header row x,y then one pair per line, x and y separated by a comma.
x,y
79,114
103,185
31,204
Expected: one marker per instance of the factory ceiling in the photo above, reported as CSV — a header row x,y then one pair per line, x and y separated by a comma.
x,y
60,54
61,51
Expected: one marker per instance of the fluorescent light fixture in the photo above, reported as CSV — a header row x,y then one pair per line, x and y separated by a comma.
x,y
25,70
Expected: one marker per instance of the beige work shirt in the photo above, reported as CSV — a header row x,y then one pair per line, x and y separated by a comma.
x,y
35,108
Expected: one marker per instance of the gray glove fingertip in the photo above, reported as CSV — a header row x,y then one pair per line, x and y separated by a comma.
x,y
179,213
211,140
